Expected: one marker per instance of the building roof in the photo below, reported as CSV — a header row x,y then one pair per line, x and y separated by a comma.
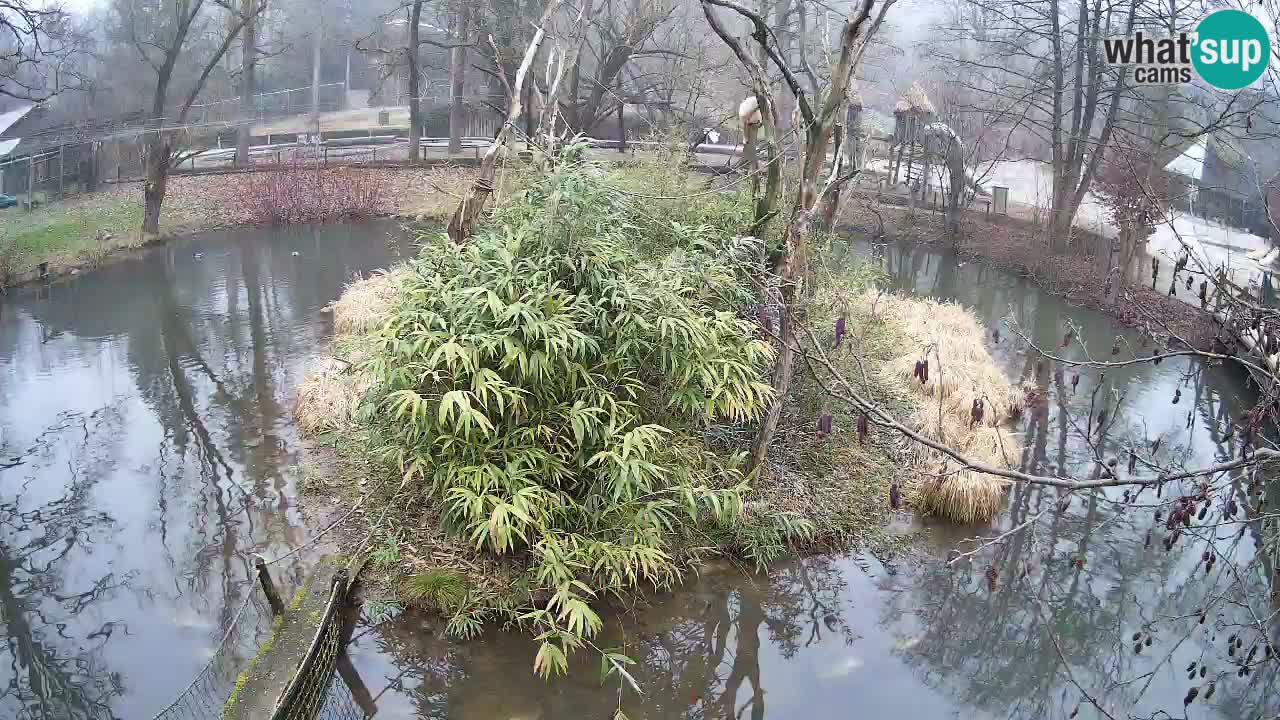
x,y
10,117
1191,162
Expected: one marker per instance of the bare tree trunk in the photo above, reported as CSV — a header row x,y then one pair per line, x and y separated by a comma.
x,y
458,79
415,106
853,134
793,255
955,191
248,84
156,183
764,132
159,148
464,218
316,40
786,99
831,202
792,263
565,60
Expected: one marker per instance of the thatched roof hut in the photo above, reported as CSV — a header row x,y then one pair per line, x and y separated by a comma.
x,y
916,100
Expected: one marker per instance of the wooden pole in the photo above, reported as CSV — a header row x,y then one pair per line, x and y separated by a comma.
x,y
528,117
268,585
31,184
62,170
622,128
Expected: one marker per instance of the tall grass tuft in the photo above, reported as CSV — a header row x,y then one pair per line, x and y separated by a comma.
x,y
960,372
330,394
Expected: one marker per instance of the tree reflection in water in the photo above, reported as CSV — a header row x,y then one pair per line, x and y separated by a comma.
x,y
698,653
51,666
191,351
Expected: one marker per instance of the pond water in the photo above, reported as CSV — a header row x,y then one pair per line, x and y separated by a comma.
x,y
146,451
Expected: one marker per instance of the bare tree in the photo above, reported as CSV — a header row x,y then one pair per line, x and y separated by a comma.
x,y
458,74
171,37
473,204
36,43
412,50
820,115
1046,55
248,81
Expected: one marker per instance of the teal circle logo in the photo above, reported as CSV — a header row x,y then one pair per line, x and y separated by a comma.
x,y
1231,49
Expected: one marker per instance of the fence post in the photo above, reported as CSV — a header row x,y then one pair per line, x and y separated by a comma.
x,y
268,585
31,184
62,170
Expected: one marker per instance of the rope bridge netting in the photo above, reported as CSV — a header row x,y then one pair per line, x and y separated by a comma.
x,y
307,692
314,691
208,692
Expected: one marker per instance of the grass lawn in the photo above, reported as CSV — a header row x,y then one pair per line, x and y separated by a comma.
x,y
67,233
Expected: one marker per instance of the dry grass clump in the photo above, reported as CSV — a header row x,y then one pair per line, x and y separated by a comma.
x,y
331,391
328,396
960,372
364,304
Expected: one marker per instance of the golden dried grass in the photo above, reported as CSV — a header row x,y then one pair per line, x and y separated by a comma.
x,y
330,393
364,304
960,371
328,397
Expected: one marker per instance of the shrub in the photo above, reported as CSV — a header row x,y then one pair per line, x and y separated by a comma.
x,y
548,387
307,193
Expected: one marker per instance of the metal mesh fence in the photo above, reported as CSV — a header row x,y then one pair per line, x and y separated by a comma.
x,y
339,703
308,690
204,698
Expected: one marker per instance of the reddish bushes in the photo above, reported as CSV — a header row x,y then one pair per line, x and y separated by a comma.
x,y
300,193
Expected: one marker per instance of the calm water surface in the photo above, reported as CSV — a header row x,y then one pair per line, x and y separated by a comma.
x,y
147,450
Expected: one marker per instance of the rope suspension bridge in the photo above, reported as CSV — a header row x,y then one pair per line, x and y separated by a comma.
x,y
282,661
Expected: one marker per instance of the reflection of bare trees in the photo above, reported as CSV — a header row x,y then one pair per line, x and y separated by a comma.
x,y
698,653
209,342
1015,627
47,670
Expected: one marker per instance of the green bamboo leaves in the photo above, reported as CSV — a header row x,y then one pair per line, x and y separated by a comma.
x,y
549,387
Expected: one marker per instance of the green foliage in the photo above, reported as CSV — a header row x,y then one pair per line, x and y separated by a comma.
x,y
66,231
441,590
380,611
766,540
669,199
548,385
388,552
